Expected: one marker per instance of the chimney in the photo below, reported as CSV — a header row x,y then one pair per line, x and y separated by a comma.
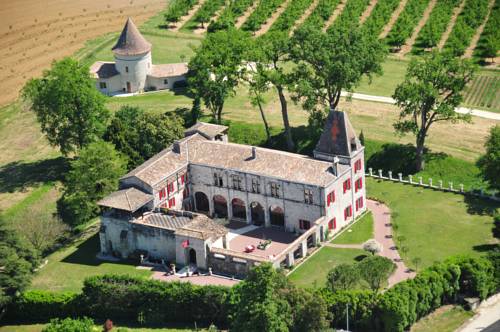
x,y
177,147
335,165
254,152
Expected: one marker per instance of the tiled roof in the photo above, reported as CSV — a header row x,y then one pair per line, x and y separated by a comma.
x,y
101,69
131,42
162,220
338,137
169,70
208,130
130,199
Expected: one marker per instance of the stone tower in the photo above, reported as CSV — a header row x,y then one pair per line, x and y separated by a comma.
x,y
133,58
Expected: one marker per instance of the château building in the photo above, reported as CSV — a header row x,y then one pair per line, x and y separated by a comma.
x,y
208,202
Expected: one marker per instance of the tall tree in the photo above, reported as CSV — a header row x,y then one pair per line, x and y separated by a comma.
x,y
216,68
343,277
68,106
489,163
375,270
272,52
93,175
327,63
140,135
18,261
430,92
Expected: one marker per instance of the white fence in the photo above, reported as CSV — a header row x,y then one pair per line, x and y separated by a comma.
x,y
430,184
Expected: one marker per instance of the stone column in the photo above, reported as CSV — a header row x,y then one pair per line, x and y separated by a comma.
x,y
451,185
211,210
390,175
290,259
371,171
267,218
430,182
410,178
400,176
249,214
380,173
440,184
303,248
461,187
420,180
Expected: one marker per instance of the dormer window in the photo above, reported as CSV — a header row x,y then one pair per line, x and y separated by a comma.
x,y
126,69
275,190
237,182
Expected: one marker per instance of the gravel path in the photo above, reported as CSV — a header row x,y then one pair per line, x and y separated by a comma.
x,y
383,235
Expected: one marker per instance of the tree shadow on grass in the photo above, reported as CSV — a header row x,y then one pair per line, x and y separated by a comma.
x,y
17,175
359,258
86,252
486,247
304,137
481,206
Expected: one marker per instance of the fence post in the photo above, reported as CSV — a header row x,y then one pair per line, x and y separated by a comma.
x,y
420,180
380,173
451,186
410,177
390,175
440,184
430,182
400,176
371,171
461,187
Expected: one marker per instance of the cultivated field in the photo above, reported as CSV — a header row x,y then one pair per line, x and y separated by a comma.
x,y
33,33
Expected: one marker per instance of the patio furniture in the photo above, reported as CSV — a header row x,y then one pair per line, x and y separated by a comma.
x,y
249,248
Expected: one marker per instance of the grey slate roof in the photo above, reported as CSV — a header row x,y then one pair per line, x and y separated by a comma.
x,y
130,199
162,220
338,137
131,41
101,69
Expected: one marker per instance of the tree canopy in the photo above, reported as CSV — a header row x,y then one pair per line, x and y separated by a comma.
x,y
489,163
216,68
140,135
430,92
93,175
343,277
375,270
68,106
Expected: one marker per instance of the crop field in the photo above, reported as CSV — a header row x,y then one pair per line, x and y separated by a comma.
x,y
33,33
484,92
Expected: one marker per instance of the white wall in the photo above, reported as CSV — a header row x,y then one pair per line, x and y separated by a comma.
x,y
138,68
159,84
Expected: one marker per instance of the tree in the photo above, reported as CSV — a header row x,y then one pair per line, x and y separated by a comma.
x,y
343,277
216,68
18,261
70,325
309,310
93,175
327,63
362,138
259,303
372,246
140,135
375,270
69,108
272,52
489,163
416,261
430,92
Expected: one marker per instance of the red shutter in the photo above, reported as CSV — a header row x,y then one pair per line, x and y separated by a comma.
x,y
328,199
333,196
345,213
182,179
357,204
334,223
360,183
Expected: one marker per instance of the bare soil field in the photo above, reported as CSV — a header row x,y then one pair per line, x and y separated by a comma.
x,y
33,33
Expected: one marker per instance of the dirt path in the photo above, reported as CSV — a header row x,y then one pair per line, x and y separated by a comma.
x,y
393,19
189,15
266,26
409,43
368,11
244,17
34,33
304,17
470,50
336,13
450,26
383,235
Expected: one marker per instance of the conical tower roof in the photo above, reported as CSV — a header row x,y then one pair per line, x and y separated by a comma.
x,y
338,137
131,42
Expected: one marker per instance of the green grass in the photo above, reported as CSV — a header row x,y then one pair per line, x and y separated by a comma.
x,y
444,319
361,231
68,267
436,224
39,327
314,271
393,73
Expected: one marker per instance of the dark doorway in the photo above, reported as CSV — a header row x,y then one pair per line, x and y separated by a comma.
x,y
239,209
192,256
201,202
129,89
277,216
258,215
220,206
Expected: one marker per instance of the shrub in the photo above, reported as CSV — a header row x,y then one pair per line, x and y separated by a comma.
x,y
39,306
70,325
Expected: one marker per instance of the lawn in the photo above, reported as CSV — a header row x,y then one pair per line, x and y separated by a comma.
x,y
313,272
436,224
68,267
39,327
444,319
358,233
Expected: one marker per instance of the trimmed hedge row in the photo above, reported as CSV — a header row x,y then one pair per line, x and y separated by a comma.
x,y
406,22
207,11
380,16
151,302
261,14
179,8
290,15
321,13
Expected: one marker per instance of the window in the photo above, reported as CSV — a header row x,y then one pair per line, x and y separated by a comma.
x,y
332,224
347,185
255,186
237,182
308,196
359,203
357,166
330,198
275,190
165,81
348,212
183,178
126,69
304,224
218,180
170,187
358,184
171,202
162,194
102,85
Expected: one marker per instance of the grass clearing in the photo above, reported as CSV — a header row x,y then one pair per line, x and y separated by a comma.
x,y
444,319
361,231
68,267
39,327
436,224
313,272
